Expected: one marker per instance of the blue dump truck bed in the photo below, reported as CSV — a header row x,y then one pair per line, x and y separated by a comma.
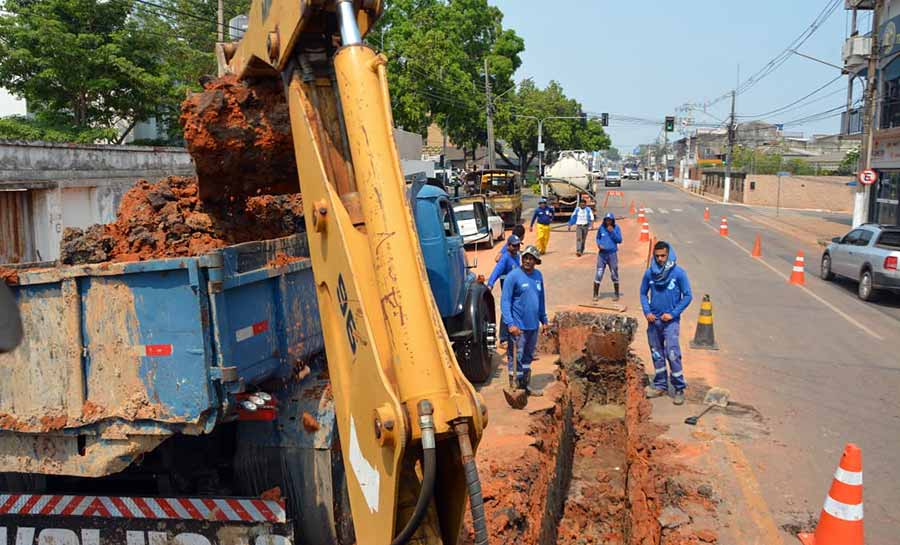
x,y
118,357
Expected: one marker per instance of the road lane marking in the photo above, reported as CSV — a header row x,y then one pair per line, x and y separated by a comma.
x,y
740,217
758,508
648,210
663,211
677,210
809,292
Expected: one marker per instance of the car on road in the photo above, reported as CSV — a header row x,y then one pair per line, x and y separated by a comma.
x,y
613,178
868,254
468,224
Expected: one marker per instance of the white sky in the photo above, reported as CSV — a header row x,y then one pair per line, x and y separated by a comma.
x,y
9,105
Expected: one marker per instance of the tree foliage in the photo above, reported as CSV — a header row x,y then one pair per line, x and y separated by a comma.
x,y
84,65
518,116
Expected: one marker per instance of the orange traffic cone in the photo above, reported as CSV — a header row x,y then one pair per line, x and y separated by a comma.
x,y
641,217
757,247
706,214
645,232
841,521
723,227
631,211
798,275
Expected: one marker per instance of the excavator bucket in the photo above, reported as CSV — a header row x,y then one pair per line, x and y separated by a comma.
x,y
238,133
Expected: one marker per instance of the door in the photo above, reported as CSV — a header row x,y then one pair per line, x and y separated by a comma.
x,y
456,256
857,252
840,255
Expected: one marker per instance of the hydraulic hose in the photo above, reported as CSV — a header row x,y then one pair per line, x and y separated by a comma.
x,y
473,483
429,469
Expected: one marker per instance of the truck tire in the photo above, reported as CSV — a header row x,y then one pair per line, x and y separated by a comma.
x,y
476,357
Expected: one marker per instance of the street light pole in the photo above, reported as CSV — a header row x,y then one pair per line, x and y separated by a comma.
x,y
861,196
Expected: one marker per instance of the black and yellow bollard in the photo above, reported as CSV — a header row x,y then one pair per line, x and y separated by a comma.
x,y
705,337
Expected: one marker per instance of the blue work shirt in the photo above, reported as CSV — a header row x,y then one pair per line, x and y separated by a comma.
x,y
544,216
522,303
608,241
507,264
668,289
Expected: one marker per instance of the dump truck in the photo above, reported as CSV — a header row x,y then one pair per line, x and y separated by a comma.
x,y
500,188
241,397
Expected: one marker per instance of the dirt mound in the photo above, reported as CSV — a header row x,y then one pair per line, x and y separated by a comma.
x,y
239,134
166,219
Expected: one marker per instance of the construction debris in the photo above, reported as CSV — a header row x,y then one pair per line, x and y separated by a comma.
x,y
167,219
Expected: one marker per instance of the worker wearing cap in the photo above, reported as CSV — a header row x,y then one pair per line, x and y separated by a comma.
x,y
506,263
523,308
609,236
543,215
583,220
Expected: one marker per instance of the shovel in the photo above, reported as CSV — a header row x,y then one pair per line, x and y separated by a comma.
x,y
715,397
515,397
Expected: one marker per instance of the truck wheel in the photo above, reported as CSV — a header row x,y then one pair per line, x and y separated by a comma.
x,y
866,292
476,362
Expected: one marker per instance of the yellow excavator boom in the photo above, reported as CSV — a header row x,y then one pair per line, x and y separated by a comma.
x,y
408,419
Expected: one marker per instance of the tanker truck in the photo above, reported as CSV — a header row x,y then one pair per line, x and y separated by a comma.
x,y
567,180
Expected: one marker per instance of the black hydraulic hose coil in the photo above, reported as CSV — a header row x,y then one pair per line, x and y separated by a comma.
x,y
473,484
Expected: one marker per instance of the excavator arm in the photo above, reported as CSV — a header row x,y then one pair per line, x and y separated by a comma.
x,y
408,420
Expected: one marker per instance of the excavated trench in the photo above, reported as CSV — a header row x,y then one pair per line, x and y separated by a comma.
x,y
592,474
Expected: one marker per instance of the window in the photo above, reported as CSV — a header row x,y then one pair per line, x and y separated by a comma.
x,y
447,219
752,186
464,214
851,237
890,239
864,238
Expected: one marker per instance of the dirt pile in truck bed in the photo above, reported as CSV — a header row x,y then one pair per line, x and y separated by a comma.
x,y
239,134
167,219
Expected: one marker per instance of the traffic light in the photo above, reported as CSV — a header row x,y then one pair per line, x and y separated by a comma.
x,y
604,119
670,123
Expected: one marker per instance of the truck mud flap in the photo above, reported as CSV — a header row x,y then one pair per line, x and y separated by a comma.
x,y
44,519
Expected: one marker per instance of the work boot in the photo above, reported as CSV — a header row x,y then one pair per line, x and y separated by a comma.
x,y
650,392
596,291
533,392
616,296
679,398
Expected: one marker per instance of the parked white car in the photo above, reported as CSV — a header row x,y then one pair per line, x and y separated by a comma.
x,y
468,225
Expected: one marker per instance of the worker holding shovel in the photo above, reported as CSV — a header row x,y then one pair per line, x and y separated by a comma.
x,y
524,309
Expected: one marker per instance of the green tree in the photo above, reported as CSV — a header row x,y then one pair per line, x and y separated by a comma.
x,y
85,65
613,154
517,123
436,53
850,163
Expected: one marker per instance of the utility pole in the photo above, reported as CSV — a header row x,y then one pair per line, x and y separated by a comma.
x,y
492,162
861,196
729,156
853,31
220,19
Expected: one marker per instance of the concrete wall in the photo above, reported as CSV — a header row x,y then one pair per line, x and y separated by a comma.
x,y
71,185
813,192
409,144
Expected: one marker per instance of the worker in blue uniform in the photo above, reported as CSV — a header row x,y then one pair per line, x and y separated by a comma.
x,y
609,236
524,309
506,263
543,215
665,294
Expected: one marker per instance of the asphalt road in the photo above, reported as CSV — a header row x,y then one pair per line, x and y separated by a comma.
x,y
821,367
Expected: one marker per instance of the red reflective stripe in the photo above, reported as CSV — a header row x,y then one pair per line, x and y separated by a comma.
x,y
214,509
26,509
145,509
259,327
238,510
96,506
73,505
9,502
120,505
164,505
189,507
50,505
158,350
264,510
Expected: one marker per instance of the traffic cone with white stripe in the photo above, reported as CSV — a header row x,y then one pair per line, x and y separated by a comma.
x,y
631,211
723,227
706,214
645,233
798,276
841,521
705,336
641,217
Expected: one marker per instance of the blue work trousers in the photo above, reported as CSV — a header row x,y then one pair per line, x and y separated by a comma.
x,y
525,345
604,260
663,338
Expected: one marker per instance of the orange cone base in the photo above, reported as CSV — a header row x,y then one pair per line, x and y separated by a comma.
x,y
807,539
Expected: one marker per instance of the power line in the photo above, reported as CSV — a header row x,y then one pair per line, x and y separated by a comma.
x,y
801,99
186,14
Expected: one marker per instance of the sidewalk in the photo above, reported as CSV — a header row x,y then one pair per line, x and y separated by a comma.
x,y
814,227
